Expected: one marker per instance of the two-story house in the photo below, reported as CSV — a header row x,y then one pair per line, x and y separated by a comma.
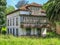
x,y
27,20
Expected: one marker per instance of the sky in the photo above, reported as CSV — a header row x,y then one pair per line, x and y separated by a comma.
x,y
14,2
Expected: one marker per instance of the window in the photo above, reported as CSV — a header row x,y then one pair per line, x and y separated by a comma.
x,y
13,21
10,31
16,32
16,21
8,22
21,19
38,31
28,31
13,31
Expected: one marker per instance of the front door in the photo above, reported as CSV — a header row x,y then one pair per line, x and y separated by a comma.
x,y
38,31
28,31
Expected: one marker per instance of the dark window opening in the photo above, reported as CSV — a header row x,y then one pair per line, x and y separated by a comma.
x,y
13,31
28,31
8,31
13,21
8,23
39,31
16,21
16,32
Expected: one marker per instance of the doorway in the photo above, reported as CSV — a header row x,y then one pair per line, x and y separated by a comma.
x,y
39,31
28,31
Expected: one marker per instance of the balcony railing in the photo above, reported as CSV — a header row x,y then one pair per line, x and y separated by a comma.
x,y
34,25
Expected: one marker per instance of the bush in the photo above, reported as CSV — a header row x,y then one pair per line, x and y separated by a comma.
x,y
4,32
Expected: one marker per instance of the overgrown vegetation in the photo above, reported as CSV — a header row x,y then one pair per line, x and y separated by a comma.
x,y
51,39
2,13
9,9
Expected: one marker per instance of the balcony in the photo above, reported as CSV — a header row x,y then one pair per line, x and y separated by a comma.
x,y
33,25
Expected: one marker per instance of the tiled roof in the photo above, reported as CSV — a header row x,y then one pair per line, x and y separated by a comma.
x,y
17,10
25,7
35,4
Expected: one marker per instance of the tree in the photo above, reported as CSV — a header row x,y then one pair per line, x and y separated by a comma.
x,y
9,9
2,13
53,10
21,3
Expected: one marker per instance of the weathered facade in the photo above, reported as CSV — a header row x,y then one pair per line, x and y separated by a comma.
x,y
28,20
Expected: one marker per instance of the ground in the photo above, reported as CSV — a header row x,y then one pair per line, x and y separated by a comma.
x,y
51,39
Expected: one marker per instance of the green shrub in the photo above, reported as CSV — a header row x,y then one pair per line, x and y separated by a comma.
x,y
4,32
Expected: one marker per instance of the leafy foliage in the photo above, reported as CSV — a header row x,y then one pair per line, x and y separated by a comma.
x,y
2,13
9,9
11,40
53,10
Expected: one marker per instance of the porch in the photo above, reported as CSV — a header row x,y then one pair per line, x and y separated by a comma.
x,y
32,31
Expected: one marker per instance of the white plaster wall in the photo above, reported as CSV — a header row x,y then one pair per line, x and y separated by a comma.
x,y
14,15
11,16
25,12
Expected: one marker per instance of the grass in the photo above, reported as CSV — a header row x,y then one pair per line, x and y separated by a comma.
x,y
51,39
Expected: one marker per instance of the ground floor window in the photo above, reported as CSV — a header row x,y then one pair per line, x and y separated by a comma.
x,y
28,31
8,31
13,31
39,31
16,32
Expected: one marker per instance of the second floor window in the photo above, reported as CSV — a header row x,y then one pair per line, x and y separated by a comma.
x,y
13,21
8,22
16,21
